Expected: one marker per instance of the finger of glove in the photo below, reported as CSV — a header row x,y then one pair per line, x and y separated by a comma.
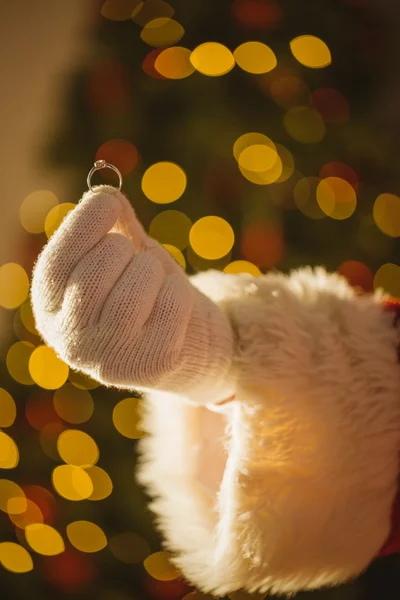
x,y
79,233
132,298
92,280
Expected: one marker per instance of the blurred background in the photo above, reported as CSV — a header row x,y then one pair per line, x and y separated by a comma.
x,y
252,135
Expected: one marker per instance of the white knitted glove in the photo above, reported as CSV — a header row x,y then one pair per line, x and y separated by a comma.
x,y
115,305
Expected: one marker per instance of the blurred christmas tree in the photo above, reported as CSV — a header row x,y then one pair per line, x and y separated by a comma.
x,y
287,141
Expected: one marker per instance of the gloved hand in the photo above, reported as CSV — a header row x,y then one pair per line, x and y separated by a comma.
x,y
116,306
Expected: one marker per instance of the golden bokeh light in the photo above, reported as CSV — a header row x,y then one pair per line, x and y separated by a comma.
x,y
242,266
9,454
255,57
171,227
305,197
174,63
162,31
340,169
72,483
27,318
336,198
14,285
258,158
267,177
311,51
77,448
46,369
212,59
15,558
119,10
35,208
12,497
164,182
72,404
86,536
44,539
101,481
32,514
304,124
56,216
8,409
387,214
176,254
212,237
127,416
81,381
252,139
158,565
387,278
17,361
129,547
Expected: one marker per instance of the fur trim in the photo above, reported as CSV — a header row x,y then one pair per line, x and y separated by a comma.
x,y
290,486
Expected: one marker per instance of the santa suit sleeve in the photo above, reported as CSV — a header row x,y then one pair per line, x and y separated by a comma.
x,y
289,485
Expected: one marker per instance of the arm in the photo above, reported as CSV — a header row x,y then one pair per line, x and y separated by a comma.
x,y
115,305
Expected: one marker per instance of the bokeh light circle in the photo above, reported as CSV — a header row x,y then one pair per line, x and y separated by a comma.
x,y
129,547
12,497
82,381
15,558
56,216
331,104
255,57
162,31
73,404
212,237
386,213
252,139
174,63
47,369
158,565
212,59
387,278
127,416
304,124
164,182
262,243
9,454
120,153
242,266
101,481
44,539
35,208
32,514
311,51
336,198
358,274
72,483
17,361
8,409
14,285
77,448
171,227
86,536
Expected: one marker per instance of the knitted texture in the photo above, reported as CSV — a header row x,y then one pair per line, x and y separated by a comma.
x,y
116,306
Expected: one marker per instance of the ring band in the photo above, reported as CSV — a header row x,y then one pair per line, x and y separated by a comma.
x,y
102,164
